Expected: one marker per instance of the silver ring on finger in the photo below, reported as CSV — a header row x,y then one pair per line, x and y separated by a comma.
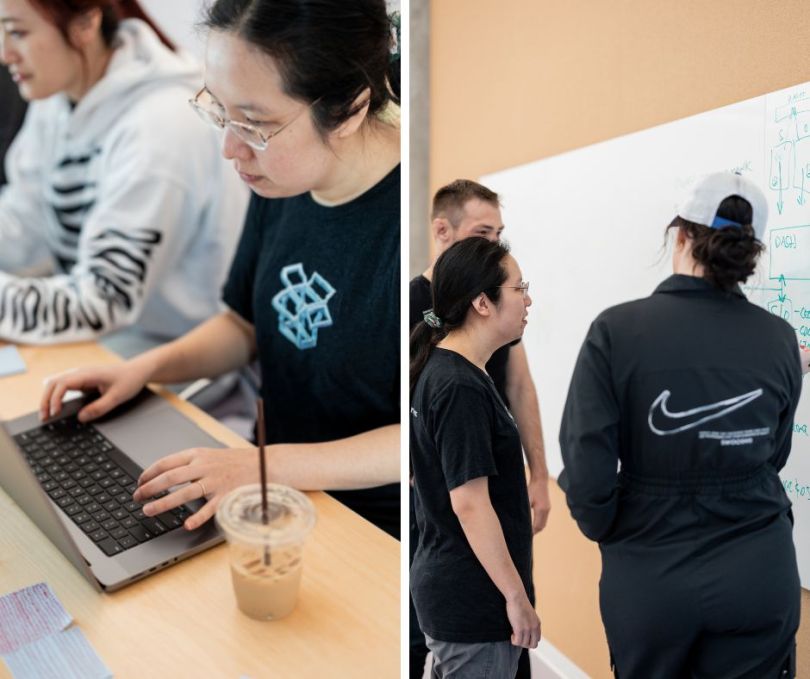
x,y
202,488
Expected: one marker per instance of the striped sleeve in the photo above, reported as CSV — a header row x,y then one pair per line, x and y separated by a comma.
x,y
126,245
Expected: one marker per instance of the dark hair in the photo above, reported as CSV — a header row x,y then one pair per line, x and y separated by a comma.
x,y
328,51
461,273
62,12
729,254
450,200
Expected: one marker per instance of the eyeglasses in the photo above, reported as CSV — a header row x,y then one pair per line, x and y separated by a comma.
x,y
523,287
206,107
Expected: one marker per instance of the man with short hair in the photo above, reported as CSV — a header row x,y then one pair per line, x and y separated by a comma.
x,y
462,209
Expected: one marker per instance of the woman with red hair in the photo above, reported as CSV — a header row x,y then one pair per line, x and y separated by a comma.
x,y
119,212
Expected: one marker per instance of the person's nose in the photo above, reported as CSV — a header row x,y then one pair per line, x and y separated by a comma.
x,y
8,55
233,148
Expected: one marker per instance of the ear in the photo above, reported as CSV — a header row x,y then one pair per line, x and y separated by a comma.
x,y
482,305
442,230
85,28
349,126
680,238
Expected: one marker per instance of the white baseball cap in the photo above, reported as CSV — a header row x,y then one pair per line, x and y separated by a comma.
x,y
703,199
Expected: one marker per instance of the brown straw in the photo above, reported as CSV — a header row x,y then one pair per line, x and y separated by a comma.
x,y
262,469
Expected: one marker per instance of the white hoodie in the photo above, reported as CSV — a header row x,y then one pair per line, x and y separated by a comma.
x,y
127,192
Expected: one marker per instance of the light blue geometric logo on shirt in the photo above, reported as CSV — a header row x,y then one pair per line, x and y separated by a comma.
x,y
302,306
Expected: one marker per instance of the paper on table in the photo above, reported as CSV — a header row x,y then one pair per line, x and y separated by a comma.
x,y
29,614
64,655
11,362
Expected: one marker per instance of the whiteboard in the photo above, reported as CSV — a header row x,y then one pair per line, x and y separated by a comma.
x,y
587,228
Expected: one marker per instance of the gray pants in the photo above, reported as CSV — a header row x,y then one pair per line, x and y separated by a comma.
x,y
493,660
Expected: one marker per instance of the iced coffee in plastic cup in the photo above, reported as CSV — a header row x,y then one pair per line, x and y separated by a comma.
x,y
266,560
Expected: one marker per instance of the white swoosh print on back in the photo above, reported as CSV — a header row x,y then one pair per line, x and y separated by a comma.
x,y
721,407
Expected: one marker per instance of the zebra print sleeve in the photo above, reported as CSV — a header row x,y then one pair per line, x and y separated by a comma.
x,y
102,293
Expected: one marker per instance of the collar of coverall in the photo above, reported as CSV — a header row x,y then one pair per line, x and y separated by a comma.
x,y
681,283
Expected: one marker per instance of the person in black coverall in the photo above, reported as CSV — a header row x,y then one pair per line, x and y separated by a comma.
x,y
692,391
462,209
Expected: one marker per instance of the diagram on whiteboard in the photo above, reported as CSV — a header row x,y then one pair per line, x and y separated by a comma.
x,y
789,140
786,263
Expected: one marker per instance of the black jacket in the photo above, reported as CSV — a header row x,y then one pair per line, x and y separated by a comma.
x,y
689,389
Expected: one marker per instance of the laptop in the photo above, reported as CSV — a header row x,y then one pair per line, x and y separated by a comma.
x,y
75,482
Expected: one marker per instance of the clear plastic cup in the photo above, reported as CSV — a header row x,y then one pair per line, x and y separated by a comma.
x,y
266,560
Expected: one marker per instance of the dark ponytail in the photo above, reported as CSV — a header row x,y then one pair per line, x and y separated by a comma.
x,y
62,12
328,51
461,273
728,255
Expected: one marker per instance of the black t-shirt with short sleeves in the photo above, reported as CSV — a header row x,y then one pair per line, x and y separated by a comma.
x,y
321,287
461,430
420,299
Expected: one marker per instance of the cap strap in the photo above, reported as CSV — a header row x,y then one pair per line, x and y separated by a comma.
x,y
719,223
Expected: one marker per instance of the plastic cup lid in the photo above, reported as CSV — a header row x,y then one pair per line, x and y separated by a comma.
x,y
291,515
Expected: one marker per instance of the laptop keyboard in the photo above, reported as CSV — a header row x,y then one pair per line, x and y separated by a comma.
x,y
92,481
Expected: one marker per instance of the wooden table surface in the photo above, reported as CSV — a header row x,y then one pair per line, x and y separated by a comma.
x,y
183,621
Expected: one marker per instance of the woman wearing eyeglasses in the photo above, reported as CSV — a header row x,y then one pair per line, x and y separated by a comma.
x,y
471,574
119,213
307,94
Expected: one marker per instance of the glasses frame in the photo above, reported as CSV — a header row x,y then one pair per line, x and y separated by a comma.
x,y
523,287
238,128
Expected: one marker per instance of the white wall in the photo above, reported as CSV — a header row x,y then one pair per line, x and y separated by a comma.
x,y
179,19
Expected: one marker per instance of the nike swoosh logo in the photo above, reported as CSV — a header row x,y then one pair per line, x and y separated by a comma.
x,y
689,419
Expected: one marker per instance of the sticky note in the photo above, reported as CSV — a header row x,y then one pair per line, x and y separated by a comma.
x,y
64,655
30,614
11,363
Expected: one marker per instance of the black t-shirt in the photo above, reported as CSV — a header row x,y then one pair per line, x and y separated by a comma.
x,y
420,300
321,287
461,430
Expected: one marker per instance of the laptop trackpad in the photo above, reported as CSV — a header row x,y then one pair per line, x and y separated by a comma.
x,y
149,428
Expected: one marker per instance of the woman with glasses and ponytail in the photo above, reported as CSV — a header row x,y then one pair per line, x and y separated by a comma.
x,y
306,93
678,420
471,575
119,218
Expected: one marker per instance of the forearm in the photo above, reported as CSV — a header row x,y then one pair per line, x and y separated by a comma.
x,y
361,461
522,395
217,346
484,533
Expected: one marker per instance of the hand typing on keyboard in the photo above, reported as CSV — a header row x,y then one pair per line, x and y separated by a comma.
x,y
208,472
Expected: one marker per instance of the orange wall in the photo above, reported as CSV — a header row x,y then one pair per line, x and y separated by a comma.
x,y
517,80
